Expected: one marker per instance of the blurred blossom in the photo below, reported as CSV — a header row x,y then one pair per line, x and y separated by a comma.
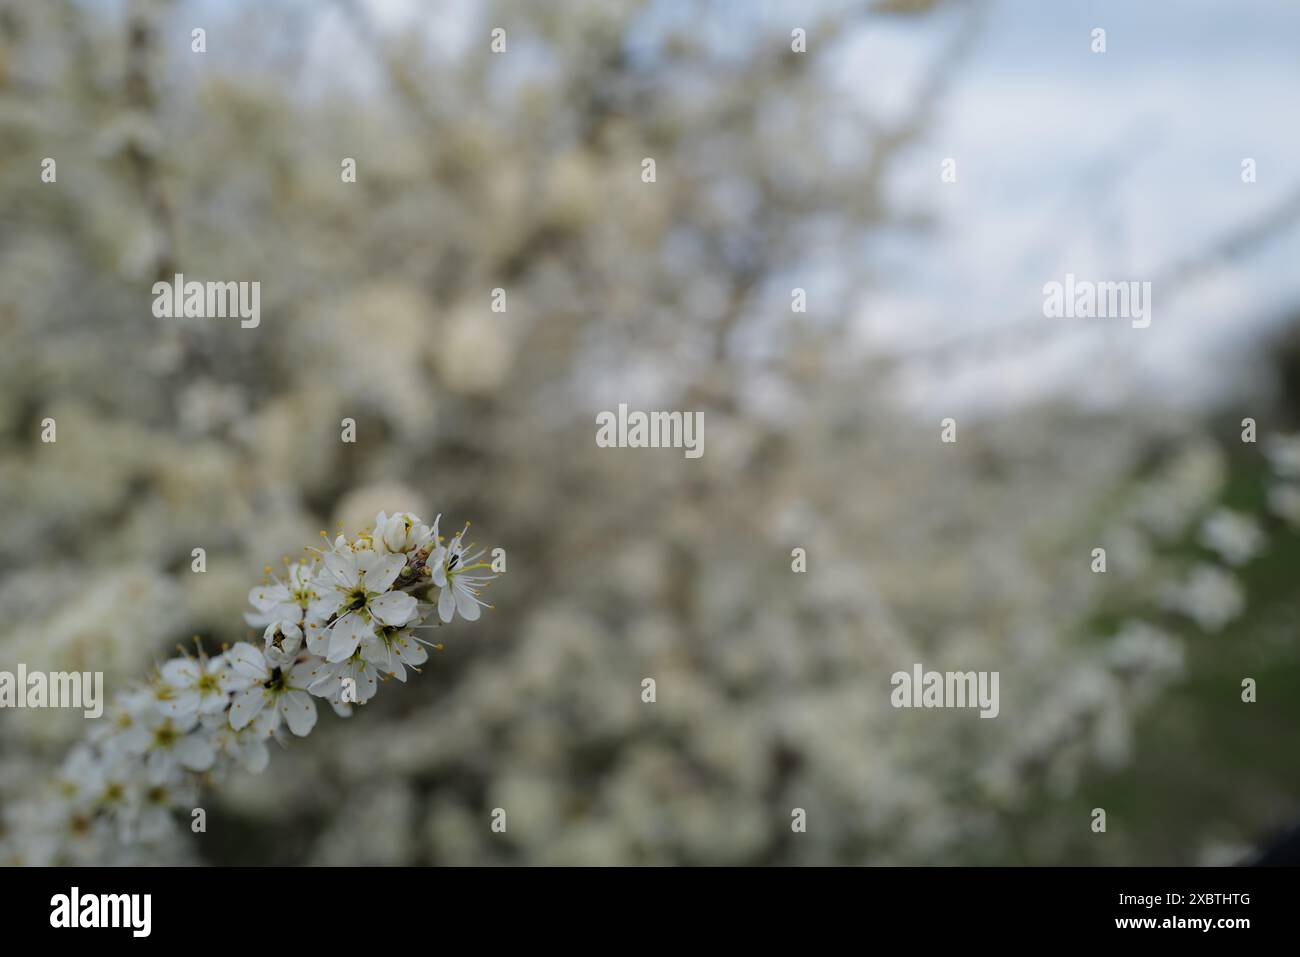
x,y
1142,647
1209,596
1284,501
472,352
1167,503
1284,455
1235,536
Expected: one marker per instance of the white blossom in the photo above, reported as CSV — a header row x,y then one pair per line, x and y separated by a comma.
x,y
1210,596
1284,501
195,686
360,599
460,580
1236,537
402,532
1283,453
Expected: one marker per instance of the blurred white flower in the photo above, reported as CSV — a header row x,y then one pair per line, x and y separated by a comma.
x,y
246,746
277,601
1284,501
1138,646
1283,453
154,814
1166,503
196,685
169,746
1210,596
1235,536
474,354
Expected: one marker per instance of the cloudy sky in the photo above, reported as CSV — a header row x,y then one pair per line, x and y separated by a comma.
x,y
1112,166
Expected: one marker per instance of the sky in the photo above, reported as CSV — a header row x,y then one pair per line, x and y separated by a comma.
x,y
1113,166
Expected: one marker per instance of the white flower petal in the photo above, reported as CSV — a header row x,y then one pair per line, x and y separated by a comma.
x,y
299,711
180,672
394,608
307,671
159,766
212,703
266,723
345,635
195,752
374,649
183,703
437,561
246,706
248,662
254,755
466,604
318,638
383,571
265,597
410,651
344,570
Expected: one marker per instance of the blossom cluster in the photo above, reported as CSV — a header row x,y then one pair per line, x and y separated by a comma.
x,y
340,622
1284,494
